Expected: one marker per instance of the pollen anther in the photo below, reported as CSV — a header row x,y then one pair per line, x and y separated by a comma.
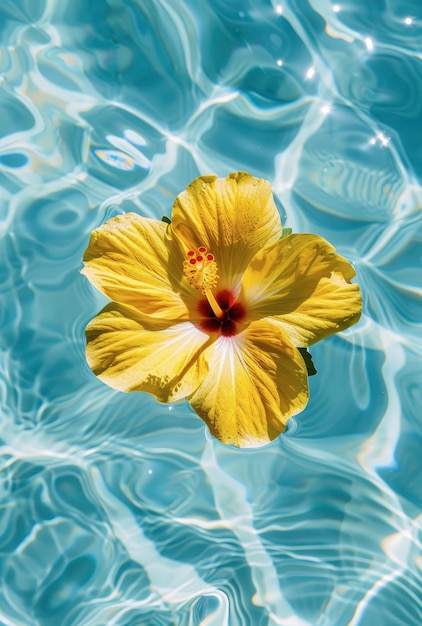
x,y
200,269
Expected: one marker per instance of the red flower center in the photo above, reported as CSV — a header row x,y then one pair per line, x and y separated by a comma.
x,y
233,312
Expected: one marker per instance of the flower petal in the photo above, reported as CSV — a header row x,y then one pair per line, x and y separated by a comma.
x,y
305,286
128,355
130,260
232,217
256,381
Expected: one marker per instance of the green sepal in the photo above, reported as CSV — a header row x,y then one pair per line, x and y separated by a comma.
x,y
307,357
166,219
285,232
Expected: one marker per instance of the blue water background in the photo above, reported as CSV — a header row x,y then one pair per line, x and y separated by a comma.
x,y
116,510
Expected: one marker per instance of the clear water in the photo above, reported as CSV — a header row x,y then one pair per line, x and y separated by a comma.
x,y
116,510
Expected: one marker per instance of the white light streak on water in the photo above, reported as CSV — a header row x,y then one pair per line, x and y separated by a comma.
x,y
234,508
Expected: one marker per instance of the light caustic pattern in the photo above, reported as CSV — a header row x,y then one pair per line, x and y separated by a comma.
x,y
120,511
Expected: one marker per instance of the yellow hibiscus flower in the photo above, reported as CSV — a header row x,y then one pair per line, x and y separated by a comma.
x,y
215,306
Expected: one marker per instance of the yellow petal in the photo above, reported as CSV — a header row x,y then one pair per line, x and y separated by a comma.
x,y
129,355
130,260
305,286
232,217
256,381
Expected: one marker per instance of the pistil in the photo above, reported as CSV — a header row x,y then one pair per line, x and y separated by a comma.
x,y
216,308
201,272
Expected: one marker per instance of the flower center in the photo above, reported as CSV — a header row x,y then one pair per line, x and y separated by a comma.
x,y
232,313
220,313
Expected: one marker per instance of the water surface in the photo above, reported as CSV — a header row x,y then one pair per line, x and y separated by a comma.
x,y
117,510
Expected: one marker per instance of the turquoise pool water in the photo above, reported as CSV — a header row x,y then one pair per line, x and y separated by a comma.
x,y
116,510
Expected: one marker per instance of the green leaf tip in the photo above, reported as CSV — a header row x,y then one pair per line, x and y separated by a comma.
x,y
307,357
